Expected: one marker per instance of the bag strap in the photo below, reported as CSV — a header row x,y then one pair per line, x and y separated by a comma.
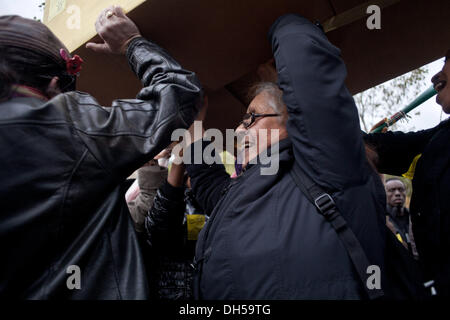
x,y
327,208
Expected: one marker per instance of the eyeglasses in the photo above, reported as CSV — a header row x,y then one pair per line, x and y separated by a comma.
x,y
249,118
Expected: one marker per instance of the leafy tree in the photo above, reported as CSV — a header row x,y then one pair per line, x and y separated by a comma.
x,y
390,97
384,100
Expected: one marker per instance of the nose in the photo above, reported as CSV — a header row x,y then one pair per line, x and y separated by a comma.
x,y
240,128
436,78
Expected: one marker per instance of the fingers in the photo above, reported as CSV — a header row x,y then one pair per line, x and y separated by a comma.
x,y
98,47
379,123
118,11
98,25
102,18
115,29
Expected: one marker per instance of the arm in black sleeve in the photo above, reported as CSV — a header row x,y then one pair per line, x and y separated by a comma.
x,y
131,132
323,120
396,150
164,223
207,181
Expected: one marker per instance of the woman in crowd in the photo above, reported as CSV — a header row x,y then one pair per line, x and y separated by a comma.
x,y
64,232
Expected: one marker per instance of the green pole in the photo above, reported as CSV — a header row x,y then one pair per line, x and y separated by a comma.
x,y
430,92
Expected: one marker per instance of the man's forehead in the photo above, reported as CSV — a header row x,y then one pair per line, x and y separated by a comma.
x,y
394,183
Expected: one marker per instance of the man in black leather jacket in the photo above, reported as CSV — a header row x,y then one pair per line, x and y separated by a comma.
x,y
64,229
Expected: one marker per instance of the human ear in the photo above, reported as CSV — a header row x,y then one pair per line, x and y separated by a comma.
x,y
53,88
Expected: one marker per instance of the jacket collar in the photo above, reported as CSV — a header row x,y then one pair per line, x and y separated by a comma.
x,y
284,150
19,90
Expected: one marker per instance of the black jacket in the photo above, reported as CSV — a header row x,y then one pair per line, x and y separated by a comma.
x,y
264,239
62,162
170,250
430,202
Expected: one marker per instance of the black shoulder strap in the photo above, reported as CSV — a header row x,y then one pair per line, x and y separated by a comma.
x,y
328,209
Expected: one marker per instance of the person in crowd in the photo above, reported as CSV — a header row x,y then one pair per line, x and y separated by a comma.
x,y
168,220
265,239
430,204
398,218
171,230
64,229
143,191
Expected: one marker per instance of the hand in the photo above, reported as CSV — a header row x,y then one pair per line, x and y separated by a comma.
x,y
191,135
176,175
379,123
116,31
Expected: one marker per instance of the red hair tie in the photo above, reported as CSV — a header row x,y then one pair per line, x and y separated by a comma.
x,y
73,65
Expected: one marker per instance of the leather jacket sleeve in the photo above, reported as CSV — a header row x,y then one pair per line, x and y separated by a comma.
x,y
131,132
164,223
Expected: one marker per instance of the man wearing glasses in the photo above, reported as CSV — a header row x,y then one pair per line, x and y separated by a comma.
x,y
265,239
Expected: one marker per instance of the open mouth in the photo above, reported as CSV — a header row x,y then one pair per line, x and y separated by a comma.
x,y
440,85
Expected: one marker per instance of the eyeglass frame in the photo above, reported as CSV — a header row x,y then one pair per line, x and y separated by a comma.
x,y
253,117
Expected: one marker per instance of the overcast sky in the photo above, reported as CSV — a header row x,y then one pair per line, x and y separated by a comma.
x,y
25,8
430,111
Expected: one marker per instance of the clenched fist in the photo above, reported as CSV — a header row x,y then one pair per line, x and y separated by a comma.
x,y
116,31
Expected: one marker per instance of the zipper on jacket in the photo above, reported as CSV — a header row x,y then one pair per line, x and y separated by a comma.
x,y
205,253
223,194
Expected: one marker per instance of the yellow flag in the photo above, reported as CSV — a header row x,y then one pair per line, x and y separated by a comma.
x,y
412,168
195,223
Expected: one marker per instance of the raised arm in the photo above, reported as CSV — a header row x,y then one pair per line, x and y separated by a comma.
x,y
323,120
164,222
133,131
397,150
207,181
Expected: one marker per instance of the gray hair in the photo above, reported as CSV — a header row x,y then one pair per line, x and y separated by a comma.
x,y
276,102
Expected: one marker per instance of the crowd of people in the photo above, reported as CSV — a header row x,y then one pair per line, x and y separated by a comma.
x,y
323,226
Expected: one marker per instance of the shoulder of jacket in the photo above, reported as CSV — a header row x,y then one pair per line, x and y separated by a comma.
x,y
80,98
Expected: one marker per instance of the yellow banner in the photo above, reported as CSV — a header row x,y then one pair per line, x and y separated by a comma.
x,y
195,223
